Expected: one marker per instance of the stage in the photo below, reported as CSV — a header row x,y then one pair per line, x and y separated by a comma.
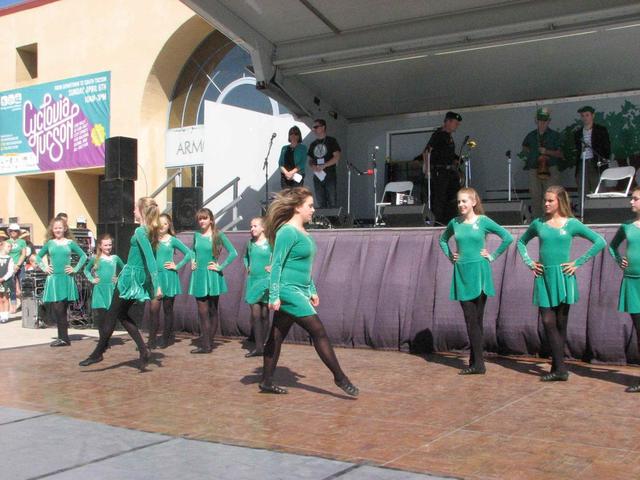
x,y
389,289
414,413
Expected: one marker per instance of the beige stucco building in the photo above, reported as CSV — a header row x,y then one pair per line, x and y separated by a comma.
x,y
143,43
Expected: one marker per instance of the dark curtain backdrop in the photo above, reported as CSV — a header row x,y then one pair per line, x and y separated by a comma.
x,y
389,289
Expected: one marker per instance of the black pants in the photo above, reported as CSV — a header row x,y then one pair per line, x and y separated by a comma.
x,y
284,183
326,191
444,188
99,319
473,316
119,310
282,322
554,320
58,311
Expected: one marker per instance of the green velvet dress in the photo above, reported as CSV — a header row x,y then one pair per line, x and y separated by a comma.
x,y
138,280
554,287
471,272
60,286
629,297
105,273
169,279
205,282
291,265
257,256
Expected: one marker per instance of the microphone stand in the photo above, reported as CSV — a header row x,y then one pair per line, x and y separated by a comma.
x,y
583,155
509,170
265,167
375,186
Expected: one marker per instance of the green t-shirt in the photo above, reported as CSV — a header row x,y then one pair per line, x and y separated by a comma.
x,y
16,249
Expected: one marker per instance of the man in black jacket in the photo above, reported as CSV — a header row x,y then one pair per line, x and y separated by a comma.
x,y
592,141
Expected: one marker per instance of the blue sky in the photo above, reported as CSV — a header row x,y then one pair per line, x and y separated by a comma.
x,y
8,3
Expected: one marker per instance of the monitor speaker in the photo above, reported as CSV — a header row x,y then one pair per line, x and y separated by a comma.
x,y
121,234
405,215
337,217
505,213
607,210
116,201
186,201
121,158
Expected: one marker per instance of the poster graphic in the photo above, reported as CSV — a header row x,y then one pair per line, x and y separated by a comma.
x,y
55,126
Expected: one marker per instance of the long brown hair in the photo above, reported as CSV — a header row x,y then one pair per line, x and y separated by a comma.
x,y
478,209
206,213
66,234
171,231
564,204
150,213
282,209
101,238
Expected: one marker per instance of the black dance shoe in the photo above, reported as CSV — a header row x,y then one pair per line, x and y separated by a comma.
x,y
90,361
273,389
143,360
348,387
200,350
472,371
58,342
555,377
253,353
633,389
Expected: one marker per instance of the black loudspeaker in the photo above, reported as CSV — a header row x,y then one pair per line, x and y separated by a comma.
x,y
607,210
337,217
186,202
121,233
116,201
505,213
121,158
405,215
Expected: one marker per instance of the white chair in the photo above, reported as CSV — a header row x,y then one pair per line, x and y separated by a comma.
x,y
614,174
393,187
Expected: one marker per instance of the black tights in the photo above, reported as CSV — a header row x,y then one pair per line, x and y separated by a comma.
x,y
636,323
473,311
119,310
99,317
282,322
554,320
58,311
155,324
259,324
208,317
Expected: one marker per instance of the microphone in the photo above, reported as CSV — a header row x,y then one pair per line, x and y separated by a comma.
x,y
508,153
464,142
273,135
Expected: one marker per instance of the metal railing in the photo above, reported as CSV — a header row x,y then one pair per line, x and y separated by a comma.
x,y
231,206
165,184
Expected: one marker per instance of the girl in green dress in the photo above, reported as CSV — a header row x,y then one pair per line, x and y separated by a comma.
x,y
169,282
207,282
629,298
292,294
555,287
137,282
60,287
101,270
472,281
257,258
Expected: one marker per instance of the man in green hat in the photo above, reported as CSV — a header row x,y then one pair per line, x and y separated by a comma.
x,y
542,149
592,141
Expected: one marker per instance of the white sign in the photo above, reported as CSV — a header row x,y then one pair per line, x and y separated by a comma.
x,y
184,147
